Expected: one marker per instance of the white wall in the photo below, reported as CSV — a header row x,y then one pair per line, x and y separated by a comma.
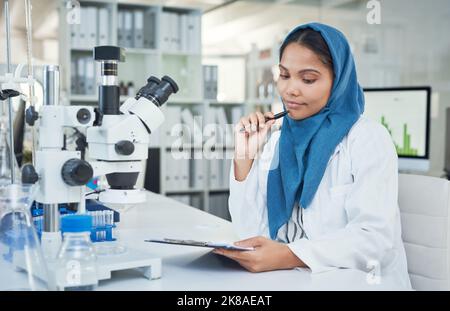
x,y
44,51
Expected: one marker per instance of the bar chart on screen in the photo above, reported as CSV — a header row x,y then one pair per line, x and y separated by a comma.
x,y
405,147
404,114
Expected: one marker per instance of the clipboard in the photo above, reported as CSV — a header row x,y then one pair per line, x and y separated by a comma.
x,y
200,244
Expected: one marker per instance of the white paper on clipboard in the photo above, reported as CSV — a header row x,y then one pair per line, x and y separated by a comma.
x,y
201,244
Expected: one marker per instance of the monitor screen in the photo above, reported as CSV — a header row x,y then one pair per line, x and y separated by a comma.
x,y
405,114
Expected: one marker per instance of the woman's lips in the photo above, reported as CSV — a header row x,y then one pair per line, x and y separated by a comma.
x,y
294,105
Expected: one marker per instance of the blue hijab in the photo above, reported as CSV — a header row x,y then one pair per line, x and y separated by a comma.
x,y
305,146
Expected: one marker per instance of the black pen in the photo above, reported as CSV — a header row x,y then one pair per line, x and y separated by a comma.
x,y
276,116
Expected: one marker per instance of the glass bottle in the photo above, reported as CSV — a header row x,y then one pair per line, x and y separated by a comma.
x,y
76,264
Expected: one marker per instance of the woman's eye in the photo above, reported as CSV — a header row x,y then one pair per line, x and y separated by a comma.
x,y
309,81
284,77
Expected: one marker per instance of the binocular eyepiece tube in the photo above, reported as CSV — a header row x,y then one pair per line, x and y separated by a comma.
x,y
158,91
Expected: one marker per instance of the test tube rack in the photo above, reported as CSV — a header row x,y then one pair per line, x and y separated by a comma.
x,y
104,219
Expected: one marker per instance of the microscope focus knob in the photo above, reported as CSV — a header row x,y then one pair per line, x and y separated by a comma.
x,y
29,174
124,147
76,172
31,115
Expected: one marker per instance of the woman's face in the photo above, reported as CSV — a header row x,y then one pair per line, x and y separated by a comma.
x,y
305,82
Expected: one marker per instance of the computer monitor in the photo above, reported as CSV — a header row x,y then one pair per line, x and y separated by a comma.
x,y
405,112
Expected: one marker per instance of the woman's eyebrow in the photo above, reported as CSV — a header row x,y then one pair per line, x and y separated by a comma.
x,y
301,71
309,69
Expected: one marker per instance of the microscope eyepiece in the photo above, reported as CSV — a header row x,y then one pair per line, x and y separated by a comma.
x,y
149,88
158,91
172,83
153,80
165,89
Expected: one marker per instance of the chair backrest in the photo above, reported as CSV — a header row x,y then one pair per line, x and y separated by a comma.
x,y
424,207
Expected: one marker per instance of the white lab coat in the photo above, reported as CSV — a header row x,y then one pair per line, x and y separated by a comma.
x,y
353,220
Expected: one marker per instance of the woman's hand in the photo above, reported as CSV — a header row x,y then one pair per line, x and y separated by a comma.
x,y
268,255
249,142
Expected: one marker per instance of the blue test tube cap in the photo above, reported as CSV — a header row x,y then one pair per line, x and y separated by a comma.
x,y
76,223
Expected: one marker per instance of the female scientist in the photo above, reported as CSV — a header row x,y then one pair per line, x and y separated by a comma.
x,y
322,192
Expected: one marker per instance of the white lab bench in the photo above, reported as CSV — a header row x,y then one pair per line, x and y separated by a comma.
x,y
197,269
189,268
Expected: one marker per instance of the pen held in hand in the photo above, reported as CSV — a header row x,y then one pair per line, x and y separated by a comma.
x,y
276,116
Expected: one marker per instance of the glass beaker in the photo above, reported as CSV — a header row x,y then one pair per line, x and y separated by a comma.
x,y
22,265
5,168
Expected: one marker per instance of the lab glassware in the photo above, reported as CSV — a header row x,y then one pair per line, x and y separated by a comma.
x,y
22,264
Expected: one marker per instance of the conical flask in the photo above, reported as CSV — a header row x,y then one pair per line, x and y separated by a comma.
x,y
22,265
5,167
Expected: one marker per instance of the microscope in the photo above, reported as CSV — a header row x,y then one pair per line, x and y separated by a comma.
x,y
119,141
117,138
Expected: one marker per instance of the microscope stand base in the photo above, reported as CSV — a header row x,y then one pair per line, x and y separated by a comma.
x,y
149,266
